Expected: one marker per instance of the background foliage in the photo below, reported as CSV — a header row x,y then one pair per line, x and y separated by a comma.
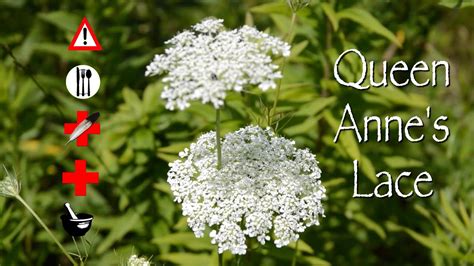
x,y
133,208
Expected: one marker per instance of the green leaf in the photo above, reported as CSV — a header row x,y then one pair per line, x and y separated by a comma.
x,y
465,216
133,101
167,157
119,228
206,111
174,148
110,160
453,218
346,139
468,257
28,95
123,202
151,98
397,96
331,14
61,19
370,224
163,187
13,3
166,207
456,3
182,224
272,8
127,156
8,239
143,139
315,106
334,182
397,162
141,158
62,51
186,239
302,246
368,168
183,258
423,211
369,22
282,22
115,141
426,241
302,128
298,48
5,216
314,261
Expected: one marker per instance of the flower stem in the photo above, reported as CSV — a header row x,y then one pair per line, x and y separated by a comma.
x,y
239,259
282,67
20,199
77,248
218,139
295,255
220,259
84,246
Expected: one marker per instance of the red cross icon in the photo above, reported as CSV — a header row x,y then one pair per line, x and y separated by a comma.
x,y
83,139
80,178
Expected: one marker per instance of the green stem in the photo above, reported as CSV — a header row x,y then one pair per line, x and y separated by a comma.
x,y
239,260
295,255
220,259
218,139
85,248
282,67
77,248
20,199
27,71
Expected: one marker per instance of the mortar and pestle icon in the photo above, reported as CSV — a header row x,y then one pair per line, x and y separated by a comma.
x,y
76,225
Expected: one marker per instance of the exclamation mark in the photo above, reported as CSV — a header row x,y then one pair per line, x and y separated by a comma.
x,y
84,32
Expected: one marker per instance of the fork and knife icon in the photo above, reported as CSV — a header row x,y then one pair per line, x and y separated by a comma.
x,y
81,74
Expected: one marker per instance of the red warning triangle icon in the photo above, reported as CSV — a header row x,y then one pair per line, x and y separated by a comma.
x,y
84,39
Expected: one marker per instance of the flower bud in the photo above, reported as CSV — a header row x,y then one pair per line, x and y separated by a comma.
x,y
296,5
9,187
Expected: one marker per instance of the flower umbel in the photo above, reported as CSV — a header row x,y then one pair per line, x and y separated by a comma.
x,y
9,186
266,188
203,63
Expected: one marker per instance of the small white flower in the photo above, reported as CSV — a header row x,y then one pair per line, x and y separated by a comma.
x,y
209,25
266,188
203,63
134,260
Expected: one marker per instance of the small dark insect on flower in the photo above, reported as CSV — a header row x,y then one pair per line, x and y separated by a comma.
x,y
213,76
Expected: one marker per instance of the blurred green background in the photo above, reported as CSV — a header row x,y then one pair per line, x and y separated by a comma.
x,y
133,208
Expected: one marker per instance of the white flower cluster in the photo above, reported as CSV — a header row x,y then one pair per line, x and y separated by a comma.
x,y
204,63
265,188
134,260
